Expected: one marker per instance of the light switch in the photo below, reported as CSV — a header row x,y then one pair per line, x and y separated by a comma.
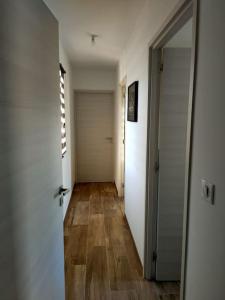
x,y
208,191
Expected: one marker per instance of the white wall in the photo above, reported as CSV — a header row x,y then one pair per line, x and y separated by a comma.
x,y
134,65
68,162
94,79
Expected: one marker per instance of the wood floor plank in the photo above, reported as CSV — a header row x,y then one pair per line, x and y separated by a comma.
x,y
146,290
97,281
112,268
96,231
76,196
111,208
109,188
84,192
82,211
126,279
101,261
168,297
96,204
166,288
122,276
78,244
126,295
114,232
77,283
69,218
94,188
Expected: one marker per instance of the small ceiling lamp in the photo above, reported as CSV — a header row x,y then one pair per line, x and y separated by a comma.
x,y
93,37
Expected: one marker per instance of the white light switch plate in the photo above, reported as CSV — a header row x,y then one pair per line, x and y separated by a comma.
x,y
208,191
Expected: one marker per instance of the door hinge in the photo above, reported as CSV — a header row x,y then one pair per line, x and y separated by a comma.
x,y
161,67
154,256
156,167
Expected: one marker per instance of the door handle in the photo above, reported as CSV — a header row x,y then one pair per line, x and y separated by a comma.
x,y
109,139
61,191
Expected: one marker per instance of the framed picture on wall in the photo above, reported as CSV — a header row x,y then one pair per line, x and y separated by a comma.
x,y
132,110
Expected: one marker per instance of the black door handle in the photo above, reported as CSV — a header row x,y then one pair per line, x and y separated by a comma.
x,y
61,192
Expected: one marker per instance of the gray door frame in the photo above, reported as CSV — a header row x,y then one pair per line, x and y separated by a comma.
x,y
181,14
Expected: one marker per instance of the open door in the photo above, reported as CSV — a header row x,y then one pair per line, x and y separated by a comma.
x,y
173,116
31,218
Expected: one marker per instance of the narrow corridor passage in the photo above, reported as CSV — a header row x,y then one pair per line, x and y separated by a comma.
x,y
100,257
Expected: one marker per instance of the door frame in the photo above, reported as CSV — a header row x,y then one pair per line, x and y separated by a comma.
x,y
123,97
181,14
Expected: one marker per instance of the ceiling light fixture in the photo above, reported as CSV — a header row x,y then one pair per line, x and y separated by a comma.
x,y
93,37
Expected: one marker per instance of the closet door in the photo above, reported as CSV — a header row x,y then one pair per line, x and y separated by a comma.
x,y
94,132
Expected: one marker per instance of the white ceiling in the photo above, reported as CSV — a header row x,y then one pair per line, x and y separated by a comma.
x,y
113,20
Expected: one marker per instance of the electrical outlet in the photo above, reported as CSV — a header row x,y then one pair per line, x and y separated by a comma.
x,y
208,191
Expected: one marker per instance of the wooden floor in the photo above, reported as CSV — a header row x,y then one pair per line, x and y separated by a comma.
x,y
101,261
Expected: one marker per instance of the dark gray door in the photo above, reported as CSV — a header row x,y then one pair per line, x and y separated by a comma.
x,y
173,113
31,220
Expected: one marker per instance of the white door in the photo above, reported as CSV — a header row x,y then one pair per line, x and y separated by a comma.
x,y
31,219
94,135
173,113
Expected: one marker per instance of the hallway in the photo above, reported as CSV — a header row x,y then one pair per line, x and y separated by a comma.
x,y
100,258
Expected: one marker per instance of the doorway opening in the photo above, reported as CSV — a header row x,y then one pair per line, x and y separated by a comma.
x,y
172,136
172,57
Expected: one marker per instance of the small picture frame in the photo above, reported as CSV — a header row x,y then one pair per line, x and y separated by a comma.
x,y
132,109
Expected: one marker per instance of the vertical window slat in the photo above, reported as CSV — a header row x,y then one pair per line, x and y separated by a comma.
x,y
63,111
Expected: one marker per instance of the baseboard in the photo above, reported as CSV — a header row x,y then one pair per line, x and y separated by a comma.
x,y
141,270
67,211
117,194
